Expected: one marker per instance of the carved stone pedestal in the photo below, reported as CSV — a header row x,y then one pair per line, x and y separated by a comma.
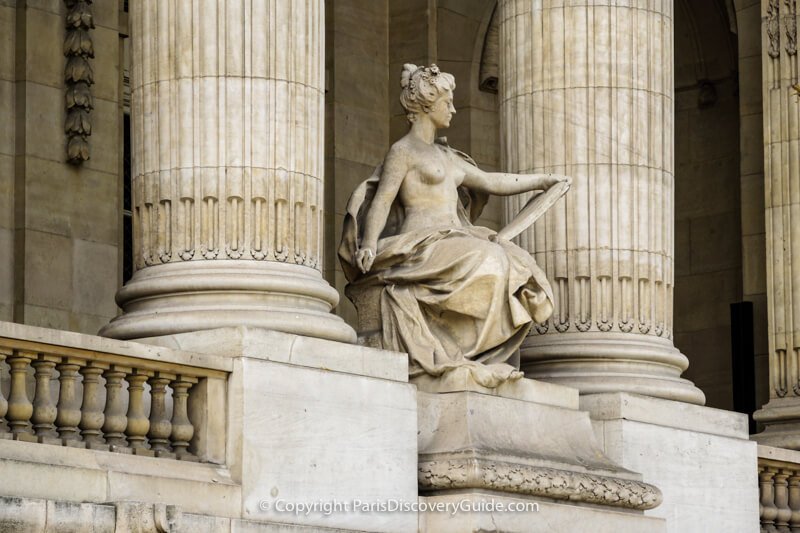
x,y
509,447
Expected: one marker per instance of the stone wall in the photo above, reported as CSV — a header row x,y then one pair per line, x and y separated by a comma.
x,y
751,143
356,107
59,224
708,258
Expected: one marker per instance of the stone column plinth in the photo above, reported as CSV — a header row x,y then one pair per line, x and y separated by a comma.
x,y
227,111
587,91
782,203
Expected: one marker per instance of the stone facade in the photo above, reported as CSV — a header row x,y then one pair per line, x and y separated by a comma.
x,y
252,123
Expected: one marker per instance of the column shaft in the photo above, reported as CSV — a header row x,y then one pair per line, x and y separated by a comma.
x,y
587,91
227,113
781,92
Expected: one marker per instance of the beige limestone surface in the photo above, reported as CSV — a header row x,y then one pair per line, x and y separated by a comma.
x,y
701,458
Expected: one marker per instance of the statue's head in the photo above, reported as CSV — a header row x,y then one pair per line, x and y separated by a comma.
x,y
422,87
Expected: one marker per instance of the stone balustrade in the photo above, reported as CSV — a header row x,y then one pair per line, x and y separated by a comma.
x,y
779,489
86,398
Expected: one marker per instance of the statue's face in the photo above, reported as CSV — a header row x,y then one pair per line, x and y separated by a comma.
x,y
442,110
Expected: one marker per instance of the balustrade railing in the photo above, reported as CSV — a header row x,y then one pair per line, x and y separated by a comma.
x,y
779,490
101,400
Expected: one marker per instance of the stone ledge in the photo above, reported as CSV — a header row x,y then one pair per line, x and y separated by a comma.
x,y
581,487
548,517
666,413
80,475
528,390
41,516
278,347
63,341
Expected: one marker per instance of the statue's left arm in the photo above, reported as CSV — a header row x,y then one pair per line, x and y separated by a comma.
x,y
504,183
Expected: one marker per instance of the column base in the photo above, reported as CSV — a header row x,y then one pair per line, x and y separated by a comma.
x,y
201,295
782,419
596,363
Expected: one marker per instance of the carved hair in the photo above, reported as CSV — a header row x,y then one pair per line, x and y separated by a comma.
x,y
421,86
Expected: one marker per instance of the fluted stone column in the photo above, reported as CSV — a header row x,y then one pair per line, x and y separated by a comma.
x,y
587,90
781,94
227,112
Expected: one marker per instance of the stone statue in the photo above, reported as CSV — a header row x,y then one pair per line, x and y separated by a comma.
x,y
448,293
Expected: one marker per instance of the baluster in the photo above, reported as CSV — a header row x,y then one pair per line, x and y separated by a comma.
x,y
20,407
138,424
794,502
69,402
768,509
115,419
92,417
782,501
44,409
182,429
4,432
160,425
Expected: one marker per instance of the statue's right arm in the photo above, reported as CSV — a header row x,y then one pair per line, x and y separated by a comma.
x,y
395,167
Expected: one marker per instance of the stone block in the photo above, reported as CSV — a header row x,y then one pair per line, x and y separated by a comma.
x,y
754,256
8,26
210,496
716,289
753,221
22,515
46,317
716,244
333,429
6,266
94,278
86,323
105,142
106,61
48,270
79,517
44,61
455,37
348,175
277,347
701,459
55,7
369,147
8,131
750,83
748,26
752,142
509,514
44,116
7,191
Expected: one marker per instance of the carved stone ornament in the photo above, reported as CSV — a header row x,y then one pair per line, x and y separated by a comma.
x,y
487,474
78,79
773,28
791,27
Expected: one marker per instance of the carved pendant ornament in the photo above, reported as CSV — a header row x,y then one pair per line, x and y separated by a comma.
x,y
78,79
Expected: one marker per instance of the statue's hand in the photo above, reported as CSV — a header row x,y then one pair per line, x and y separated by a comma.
x,y
364,259
555,179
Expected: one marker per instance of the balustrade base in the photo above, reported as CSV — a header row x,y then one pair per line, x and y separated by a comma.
x,y
203,295
597,363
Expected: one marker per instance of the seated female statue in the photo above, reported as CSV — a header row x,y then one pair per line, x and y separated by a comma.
x,y
451,294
